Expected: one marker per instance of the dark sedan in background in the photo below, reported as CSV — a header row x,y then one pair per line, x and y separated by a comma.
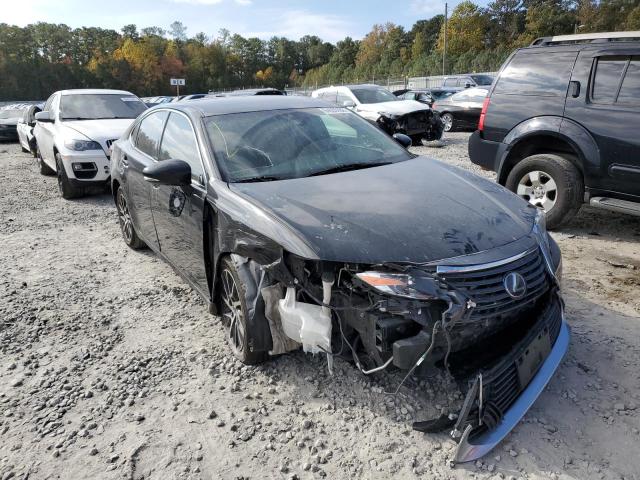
x,y
305,226
461,111
426,95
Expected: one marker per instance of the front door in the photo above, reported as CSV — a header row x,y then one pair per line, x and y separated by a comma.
x,y
178,212
609,108
144,152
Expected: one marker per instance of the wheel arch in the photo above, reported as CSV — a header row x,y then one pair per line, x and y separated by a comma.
x,y
571,142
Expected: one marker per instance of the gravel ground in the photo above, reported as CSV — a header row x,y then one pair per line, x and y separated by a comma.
x,y
111,367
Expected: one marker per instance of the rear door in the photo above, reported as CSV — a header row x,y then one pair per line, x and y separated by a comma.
x,y
145,141
178,212
609,108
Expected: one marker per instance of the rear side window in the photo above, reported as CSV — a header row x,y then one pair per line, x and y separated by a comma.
x,y
149,133
630,91
450,82
329,96
607,78
540,74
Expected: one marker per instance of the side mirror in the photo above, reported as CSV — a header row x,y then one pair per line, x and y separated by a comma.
x,y
44,117
467,85
348,103
402,139
168,172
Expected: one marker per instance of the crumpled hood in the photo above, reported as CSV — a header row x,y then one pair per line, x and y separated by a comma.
x,y
418,211
100,130
401,107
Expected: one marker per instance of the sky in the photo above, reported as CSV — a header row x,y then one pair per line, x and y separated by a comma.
x,y
331,20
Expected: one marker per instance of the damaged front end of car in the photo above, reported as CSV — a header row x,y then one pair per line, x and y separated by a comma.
x,y
500,341
424,124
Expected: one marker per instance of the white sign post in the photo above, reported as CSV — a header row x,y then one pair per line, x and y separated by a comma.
x,y
178,82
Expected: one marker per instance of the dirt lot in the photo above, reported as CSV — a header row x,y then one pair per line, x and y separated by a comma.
x,y
111,367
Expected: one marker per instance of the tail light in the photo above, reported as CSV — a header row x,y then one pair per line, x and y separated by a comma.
x,y
485,105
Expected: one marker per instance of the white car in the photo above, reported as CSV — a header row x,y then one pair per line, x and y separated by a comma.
x,y
75,131
383,108
25,128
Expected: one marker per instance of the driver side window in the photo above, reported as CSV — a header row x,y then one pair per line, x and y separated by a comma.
x,y
179,143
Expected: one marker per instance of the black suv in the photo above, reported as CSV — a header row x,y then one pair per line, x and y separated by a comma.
x,y
560,125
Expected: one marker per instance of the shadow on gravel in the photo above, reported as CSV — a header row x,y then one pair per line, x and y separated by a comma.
x,y
596,222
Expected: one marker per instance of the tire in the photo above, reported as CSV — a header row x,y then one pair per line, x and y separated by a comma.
x,y
127,229
416,140
448,121
550,182
44,168
233,311
67,190
24,150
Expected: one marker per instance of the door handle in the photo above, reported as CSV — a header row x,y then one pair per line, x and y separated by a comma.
x,y
575,88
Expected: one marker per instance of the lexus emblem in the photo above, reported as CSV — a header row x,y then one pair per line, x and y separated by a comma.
x,y
515,285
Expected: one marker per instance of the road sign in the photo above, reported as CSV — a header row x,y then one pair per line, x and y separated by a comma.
x,y
178,82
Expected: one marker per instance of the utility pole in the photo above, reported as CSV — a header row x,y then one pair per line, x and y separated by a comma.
x,y
444,51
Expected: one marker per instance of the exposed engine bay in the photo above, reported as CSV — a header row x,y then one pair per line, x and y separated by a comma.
x,y
418,318
422,124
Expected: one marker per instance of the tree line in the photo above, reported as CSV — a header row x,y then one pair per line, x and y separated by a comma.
x,y
41,58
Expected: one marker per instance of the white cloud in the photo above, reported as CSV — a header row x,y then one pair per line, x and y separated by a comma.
x,y
199,2
244,2
26,12
294,24
429,8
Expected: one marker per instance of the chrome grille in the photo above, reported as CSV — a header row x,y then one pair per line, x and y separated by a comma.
x,y
484,284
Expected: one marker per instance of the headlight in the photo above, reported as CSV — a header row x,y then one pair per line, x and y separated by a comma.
x,y
540,232
82,145
400,284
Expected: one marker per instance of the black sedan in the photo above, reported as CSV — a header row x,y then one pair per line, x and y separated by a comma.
x,y
461,111
426,95
304,226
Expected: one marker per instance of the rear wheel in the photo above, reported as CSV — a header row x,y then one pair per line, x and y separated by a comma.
x,y
233,309
550,182
67,190
129,234
24,150
448,121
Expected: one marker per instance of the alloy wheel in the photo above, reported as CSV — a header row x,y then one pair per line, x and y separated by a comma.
x,y
232,314
447,119
538,188
124,216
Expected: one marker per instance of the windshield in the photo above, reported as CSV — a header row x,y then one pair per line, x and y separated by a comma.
x,y
11,113
295,143
100,106
374,95
482,79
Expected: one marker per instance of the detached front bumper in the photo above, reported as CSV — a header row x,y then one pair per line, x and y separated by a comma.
x,y
472,447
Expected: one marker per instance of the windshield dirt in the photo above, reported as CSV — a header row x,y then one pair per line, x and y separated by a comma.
x,y
283,144
373,95
100,106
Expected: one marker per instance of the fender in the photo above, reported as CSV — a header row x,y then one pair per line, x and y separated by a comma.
x,y
580,140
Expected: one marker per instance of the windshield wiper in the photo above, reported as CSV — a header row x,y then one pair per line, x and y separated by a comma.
x,y
348,167
262,178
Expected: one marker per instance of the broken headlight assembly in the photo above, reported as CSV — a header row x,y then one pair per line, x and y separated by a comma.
x,y
400,284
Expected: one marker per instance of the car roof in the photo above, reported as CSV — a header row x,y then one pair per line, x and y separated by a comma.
x,y
241,104
93,91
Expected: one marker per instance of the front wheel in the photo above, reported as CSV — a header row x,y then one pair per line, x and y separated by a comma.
x,y
129,234
550,182
448,121
67,190
233,309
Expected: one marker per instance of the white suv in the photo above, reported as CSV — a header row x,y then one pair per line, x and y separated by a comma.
x,y
384,109
74,133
